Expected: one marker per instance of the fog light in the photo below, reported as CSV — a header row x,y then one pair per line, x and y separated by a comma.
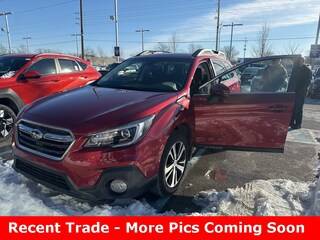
x,y
118,186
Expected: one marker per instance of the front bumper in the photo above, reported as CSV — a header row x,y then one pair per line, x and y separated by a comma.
x,y
137,183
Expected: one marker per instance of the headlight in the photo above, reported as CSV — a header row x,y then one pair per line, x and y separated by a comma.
x,y
122,136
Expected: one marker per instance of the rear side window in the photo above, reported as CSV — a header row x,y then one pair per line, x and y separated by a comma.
x,y
219,68
68,66
44,67
201,76
82,65
227,65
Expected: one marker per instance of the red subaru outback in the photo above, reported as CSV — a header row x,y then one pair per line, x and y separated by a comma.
x,y
135,128
25,78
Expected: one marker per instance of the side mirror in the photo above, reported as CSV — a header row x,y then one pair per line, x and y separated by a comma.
x,y
29,75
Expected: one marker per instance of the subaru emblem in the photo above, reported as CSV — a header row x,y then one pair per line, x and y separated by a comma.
x,y
36,134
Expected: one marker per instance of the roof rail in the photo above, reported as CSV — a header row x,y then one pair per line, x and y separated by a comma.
x,y
150,52
210,52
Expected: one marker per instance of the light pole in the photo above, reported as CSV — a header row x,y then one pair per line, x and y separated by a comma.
x,y
318,31
245,48
218,27
81,29
142,31
27,42
219,40
5,14
76,35
116,26
232,25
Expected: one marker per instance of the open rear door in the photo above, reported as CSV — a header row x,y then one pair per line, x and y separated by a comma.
x,y
257,118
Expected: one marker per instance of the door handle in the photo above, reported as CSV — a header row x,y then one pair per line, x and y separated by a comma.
x,y
278,108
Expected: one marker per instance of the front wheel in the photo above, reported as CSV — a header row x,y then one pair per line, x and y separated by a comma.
x,y
173,164
7,120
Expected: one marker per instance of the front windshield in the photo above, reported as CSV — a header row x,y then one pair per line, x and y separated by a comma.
x,y
147,74
11,64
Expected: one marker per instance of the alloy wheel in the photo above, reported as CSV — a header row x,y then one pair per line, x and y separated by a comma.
x,y
175,164
6,123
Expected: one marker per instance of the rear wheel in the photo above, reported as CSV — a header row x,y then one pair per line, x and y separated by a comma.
x,y
173,164
7,120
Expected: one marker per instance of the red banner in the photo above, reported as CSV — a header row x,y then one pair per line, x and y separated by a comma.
x,y
121,228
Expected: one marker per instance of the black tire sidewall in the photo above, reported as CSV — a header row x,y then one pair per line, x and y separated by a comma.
x,y
14,116
162,188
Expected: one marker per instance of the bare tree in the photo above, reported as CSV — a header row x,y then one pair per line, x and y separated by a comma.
x,y
89,52
173,43
169,46
193,47
3,49
46,50
231,55
100,52
263,48
293,48
21,49
163,47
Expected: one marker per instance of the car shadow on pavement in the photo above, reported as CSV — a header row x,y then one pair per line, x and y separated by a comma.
x,y
181,204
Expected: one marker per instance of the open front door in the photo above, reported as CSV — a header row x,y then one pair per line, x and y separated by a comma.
x,y
257,118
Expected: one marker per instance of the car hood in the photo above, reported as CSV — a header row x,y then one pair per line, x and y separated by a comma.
x,y
91,109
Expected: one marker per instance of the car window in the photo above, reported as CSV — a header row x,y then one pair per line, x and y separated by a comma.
x,y
10,64
44,67
68,66
147,74
82,65
264,75
226,65
218,68
227,76
270,76
202,75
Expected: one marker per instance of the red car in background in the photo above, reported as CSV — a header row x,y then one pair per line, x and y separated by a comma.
x,y
134,130
25,78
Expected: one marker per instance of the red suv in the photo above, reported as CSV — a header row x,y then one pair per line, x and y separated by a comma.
x,y
25,78
135,129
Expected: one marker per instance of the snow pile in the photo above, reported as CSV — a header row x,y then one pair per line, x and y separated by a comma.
x,y
315,205
262,198
20,196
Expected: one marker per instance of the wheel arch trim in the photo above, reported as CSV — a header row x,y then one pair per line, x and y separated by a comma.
x,y
12,96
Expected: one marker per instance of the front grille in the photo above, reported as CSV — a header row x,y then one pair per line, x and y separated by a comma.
x,y
43,140
41,174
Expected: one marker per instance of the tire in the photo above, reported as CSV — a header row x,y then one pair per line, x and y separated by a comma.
x,y
7,120
169,167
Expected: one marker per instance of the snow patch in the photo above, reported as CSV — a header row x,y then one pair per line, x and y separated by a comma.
x,y
20,196
259,198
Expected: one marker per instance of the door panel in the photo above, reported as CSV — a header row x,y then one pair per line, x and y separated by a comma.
x,y
256,120
245,121
37,88
47,84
